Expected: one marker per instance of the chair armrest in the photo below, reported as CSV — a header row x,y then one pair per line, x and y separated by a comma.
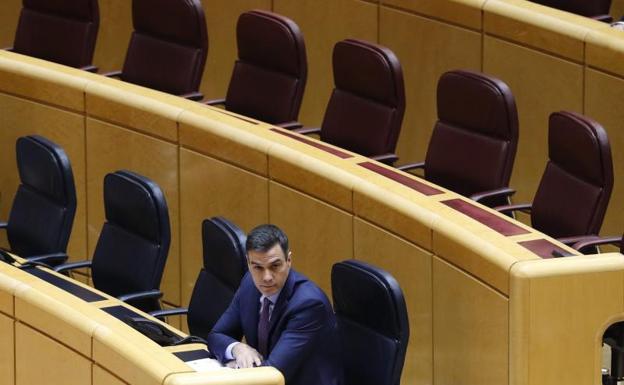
x,y
169,312
524,207
140,295
72,266
90,68
214,102
411,166
112,74
307,130
3,225
195,96
388,159
594,240
499,192
290,125
52,259
603,18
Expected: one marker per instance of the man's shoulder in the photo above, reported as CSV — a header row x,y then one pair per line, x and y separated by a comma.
x,y
305,290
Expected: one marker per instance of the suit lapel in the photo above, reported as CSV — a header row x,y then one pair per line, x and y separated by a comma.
x,y
282,303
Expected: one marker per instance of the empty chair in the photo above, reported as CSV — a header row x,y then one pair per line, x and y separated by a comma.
x,y
61,31
366,108
168,48
473,143
596,9
372,323
574,191
270,74
132,249
225,263
42,215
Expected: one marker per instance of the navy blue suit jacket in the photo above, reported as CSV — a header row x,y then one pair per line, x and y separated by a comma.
x,y
303,343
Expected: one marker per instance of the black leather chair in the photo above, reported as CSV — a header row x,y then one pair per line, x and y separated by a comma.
x,y
131,252
574,192
168,48
42,214
473,143
366,108
596,9
270,74
225,264
372,323
61,31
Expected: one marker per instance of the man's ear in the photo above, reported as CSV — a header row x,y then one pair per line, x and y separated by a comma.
x,y
288,258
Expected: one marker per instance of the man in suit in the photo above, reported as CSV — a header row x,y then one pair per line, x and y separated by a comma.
x,y
287,320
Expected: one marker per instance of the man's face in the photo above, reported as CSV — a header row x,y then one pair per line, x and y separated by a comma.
x,y
269,269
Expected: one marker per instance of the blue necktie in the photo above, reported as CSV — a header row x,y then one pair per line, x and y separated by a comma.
x,y
263,328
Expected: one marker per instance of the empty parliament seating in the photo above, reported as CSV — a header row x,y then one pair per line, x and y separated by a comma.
x,y
366,107
576,186
473,144
271,71
133,246
461,261
224,265
42,214
62,31
168,47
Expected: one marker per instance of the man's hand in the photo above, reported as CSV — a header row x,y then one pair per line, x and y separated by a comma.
x,y
246,356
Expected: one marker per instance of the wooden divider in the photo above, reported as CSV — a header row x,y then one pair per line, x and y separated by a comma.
x,y
484,307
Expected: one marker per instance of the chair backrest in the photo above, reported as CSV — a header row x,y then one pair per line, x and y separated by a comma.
x,y
366,108
62,31
225,264
270,74
575,188
474,141
44,206
168,47
372,323
589,8
131,252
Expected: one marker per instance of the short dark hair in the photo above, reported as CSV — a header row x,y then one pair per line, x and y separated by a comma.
x,y
263,237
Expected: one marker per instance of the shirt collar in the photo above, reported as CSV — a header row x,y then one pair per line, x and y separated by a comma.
x,y
272,298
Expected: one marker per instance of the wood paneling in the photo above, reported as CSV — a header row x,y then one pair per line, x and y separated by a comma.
x,y
67,367
319,234
405,261
102,377
210,188
7,350
470,329
111,148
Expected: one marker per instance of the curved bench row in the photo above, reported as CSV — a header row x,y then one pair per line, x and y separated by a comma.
x,y
480,295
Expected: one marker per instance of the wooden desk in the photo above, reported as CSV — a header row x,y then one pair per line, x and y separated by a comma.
x,y
54,330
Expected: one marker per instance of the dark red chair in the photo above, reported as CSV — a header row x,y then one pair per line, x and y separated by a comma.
x,y
596,9
61,31
270,74
574,191
473,143
366,108
168,48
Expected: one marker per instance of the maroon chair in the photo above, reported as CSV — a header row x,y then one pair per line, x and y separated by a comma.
x,y
596,9
61,31
168,48
366,108
473,143
270,74
574,191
